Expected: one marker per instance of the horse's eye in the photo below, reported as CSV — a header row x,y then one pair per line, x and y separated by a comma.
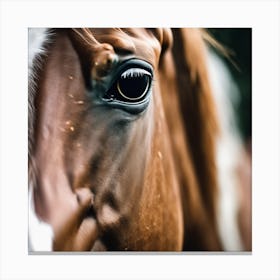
x,y
132,86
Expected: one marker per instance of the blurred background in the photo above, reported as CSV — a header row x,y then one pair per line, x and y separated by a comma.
x,y
236,66
238,41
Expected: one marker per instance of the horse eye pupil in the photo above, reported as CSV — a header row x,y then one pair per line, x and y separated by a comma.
x,y
134,88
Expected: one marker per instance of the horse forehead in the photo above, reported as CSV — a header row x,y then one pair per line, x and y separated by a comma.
x,y
140,42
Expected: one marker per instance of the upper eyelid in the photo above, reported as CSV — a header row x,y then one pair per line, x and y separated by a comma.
x,y
134,72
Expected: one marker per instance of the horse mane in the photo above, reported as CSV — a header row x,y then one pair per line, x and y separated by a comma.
x,y
86,35
196,165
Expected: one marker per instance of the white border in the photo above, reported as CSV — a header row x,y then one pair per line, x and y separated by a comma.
x,y
262,16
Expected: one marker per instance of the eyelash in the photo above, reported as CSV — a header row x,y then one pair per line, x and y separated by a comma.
x,y
134,73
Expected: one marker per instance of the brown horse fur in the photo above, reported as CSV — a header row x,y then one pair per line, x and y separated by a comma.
x,y
193,126
153,176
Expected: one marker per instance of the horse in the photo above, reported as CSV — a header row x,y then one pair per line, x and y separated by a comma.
x,y
122,141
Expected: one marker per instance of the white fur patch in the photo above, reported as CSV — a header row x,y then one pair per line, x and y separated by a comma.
x,y
36,39
40,234
229,148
